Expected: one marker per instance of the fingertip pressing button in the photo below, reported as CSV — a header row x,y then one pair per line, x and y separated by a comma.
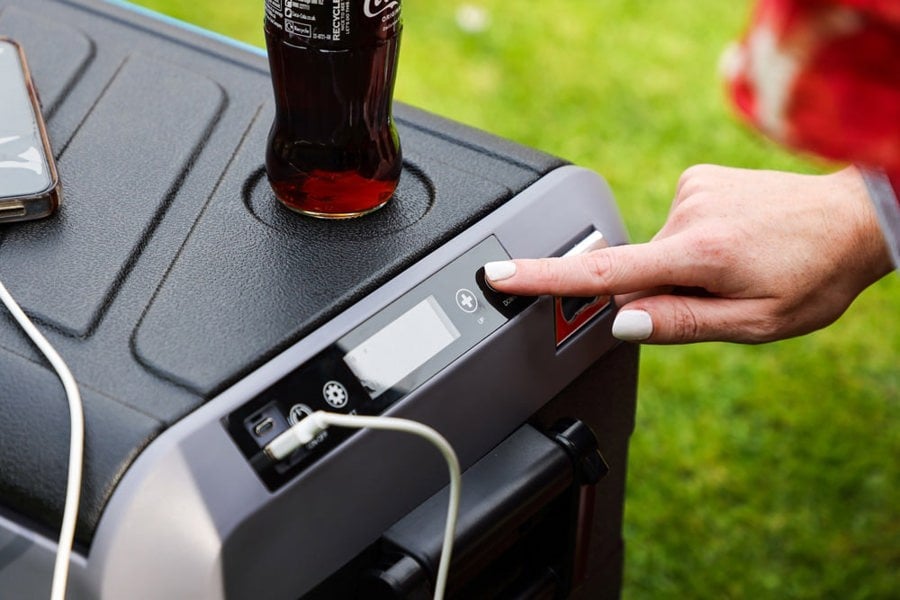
x,y
499,270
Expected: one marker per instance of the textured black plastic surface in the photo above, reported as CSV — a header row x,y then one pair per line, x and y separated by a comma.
x,y
169,272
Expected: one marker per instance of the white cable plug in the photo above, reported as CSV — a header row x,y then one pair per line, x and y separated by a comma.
x,y
76,444
306,430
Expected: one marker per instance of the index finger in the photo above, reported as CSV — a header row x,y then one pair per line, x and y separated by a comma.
x,y
610,271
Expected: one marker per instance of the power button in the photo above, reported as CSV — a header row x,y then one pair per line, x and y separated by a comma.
x,y
506,304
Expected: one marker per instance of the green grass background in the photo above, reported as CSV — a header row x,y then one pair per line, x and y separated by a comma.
x,y
755,472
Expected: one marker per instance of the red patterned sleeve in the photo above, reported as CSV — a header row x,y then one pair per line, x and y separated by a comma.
x,y
823,76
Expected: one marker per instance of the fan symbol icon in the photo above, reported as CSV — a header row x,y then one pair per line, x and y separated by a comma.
x,y
335,394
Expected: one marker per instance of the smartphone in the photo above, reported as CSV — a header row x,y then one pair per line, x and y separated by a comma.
x,y
29,183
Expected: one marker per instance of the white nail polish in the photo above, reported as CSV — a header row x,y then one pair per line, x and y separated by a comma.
x,y
632,326
500,270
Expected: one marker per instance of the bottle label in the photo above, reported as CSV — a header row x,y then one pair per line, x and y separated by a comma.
x,y
334,23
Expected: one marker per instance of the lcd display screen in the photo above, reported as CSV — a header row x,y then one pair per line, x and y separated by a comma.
x,y
398,349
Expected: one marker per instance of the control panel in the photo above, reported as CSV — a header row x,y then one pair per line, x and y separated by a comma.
x,y
379,362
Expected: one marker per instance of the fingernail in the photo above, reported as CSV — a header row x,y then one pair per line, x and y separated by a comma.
x,y
500,270
632,326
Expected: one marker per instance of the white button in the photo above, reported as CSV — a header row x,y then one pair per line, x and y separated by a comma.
x,y
335,394
298,412
466,301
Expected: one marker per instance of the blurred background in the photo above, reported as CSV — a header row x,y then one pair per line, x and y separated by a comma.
x,y
755,472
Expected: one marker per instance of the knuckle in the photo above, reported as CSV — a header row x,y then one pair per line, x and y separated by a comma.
x,y
716,246
685,213
685,325
700,206
691,173
764,329
693,180
600,269
778,319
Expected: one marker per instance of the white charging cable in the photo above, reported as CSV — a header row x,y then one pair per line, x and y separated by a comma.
x,y
76,445
306,430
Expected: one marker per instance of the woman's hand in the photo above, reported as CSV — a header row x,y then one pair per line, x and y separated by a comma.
x,y
745,256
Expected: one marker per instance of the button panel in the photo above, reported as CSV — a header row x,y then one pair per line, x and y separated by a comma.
x,y
379,362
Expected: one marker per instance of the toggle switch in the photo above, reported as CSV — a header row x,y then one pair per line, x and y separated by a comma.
x,y
573,313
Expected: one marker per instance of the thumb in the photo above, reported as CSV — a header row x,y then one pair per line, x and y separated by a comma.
x,y
687,319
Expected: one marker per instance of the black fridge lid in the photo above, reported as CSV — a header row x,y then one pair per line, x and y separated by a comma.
x,y
170,271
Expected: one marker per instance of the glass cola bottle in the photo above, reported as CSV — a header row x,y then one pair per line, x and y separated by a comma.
x,y
333,150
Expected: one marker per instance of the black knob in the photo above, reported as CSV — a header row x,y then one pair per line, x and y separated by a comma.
x,y
580,444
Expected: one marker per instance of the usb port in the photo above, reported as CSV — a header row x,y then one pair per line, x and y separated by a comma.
x,y
12,210
260,429
266,424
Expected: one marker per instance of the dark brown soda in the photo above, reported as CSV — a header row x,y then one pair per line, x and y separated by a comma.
x,y
333,148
